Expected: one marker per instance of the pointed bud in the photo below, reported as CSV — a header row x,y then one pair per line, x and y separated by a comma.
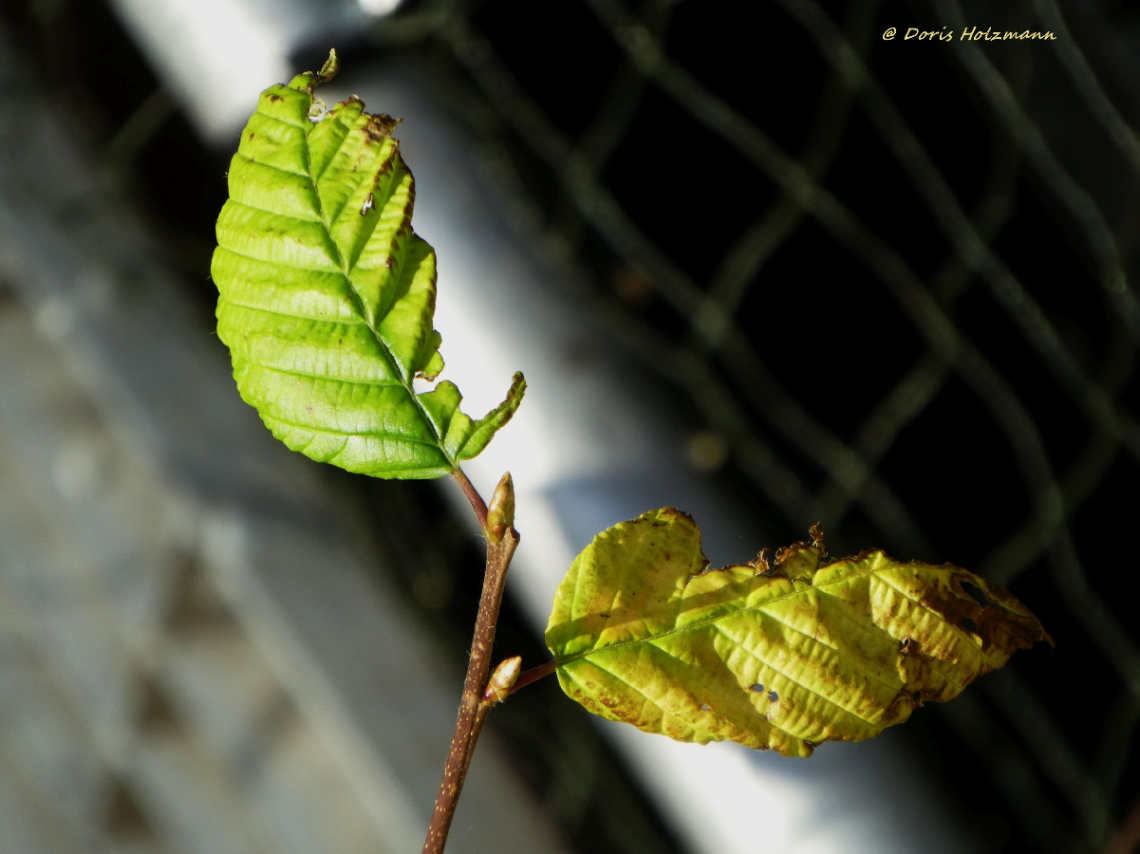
x,y
501,512
503,679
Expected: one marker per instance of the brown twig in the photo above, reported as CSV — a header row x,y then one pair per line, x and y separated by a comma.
x,y
473,708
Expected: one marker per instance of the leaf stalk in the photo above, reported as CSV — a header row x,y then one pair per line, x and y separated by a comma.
x,y
474,498
533,675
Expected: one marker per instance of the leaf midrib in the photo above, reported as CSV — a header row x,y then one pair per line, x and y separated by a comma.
x,y
711,621
358,304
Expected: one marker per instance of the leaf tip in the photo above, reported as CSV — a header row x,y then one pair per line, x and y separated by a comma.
x,y
310,80
990,612
517,390
475,438
330,68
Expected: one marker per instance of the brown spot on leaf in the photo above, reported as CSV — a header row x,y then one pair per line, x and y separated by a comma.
x,y
899,709
921,681
998,618
799,560
379,127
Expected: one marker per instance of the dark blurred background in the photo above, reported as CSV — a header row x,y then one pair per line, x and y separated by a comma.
x,y
886,284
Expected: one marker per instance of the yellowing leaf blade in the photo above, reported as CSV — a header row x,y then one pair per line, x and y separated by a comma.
x,y
784,656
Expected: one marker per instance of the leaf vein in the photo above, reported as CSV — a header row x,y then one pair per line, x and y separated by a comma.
x,y
340,144
941,619
651,700
332,431
289,268
846,578
274,118
406,381
372,224
290,315
273,166
777,618
267,211
755,654
292,372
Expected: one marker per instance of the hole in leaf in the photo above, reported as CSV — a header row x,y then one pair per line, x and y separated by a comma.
x,y
976,593
704,708
969,625
773,697
757,687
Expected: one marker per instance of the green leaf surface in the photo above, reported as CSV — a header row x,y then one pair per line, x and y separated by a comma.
x,y
327,296
782,655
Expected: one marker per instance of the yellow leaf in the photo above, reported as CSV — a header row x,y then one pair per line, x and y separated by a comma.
x,y
782,655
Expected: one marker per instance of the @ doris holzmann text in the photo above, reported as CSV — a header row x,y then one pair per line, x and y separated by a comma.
x,y
968,34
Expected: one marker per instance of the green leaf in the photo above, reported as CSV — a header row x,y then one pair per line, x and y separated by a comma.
x,y
781,655
327,296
